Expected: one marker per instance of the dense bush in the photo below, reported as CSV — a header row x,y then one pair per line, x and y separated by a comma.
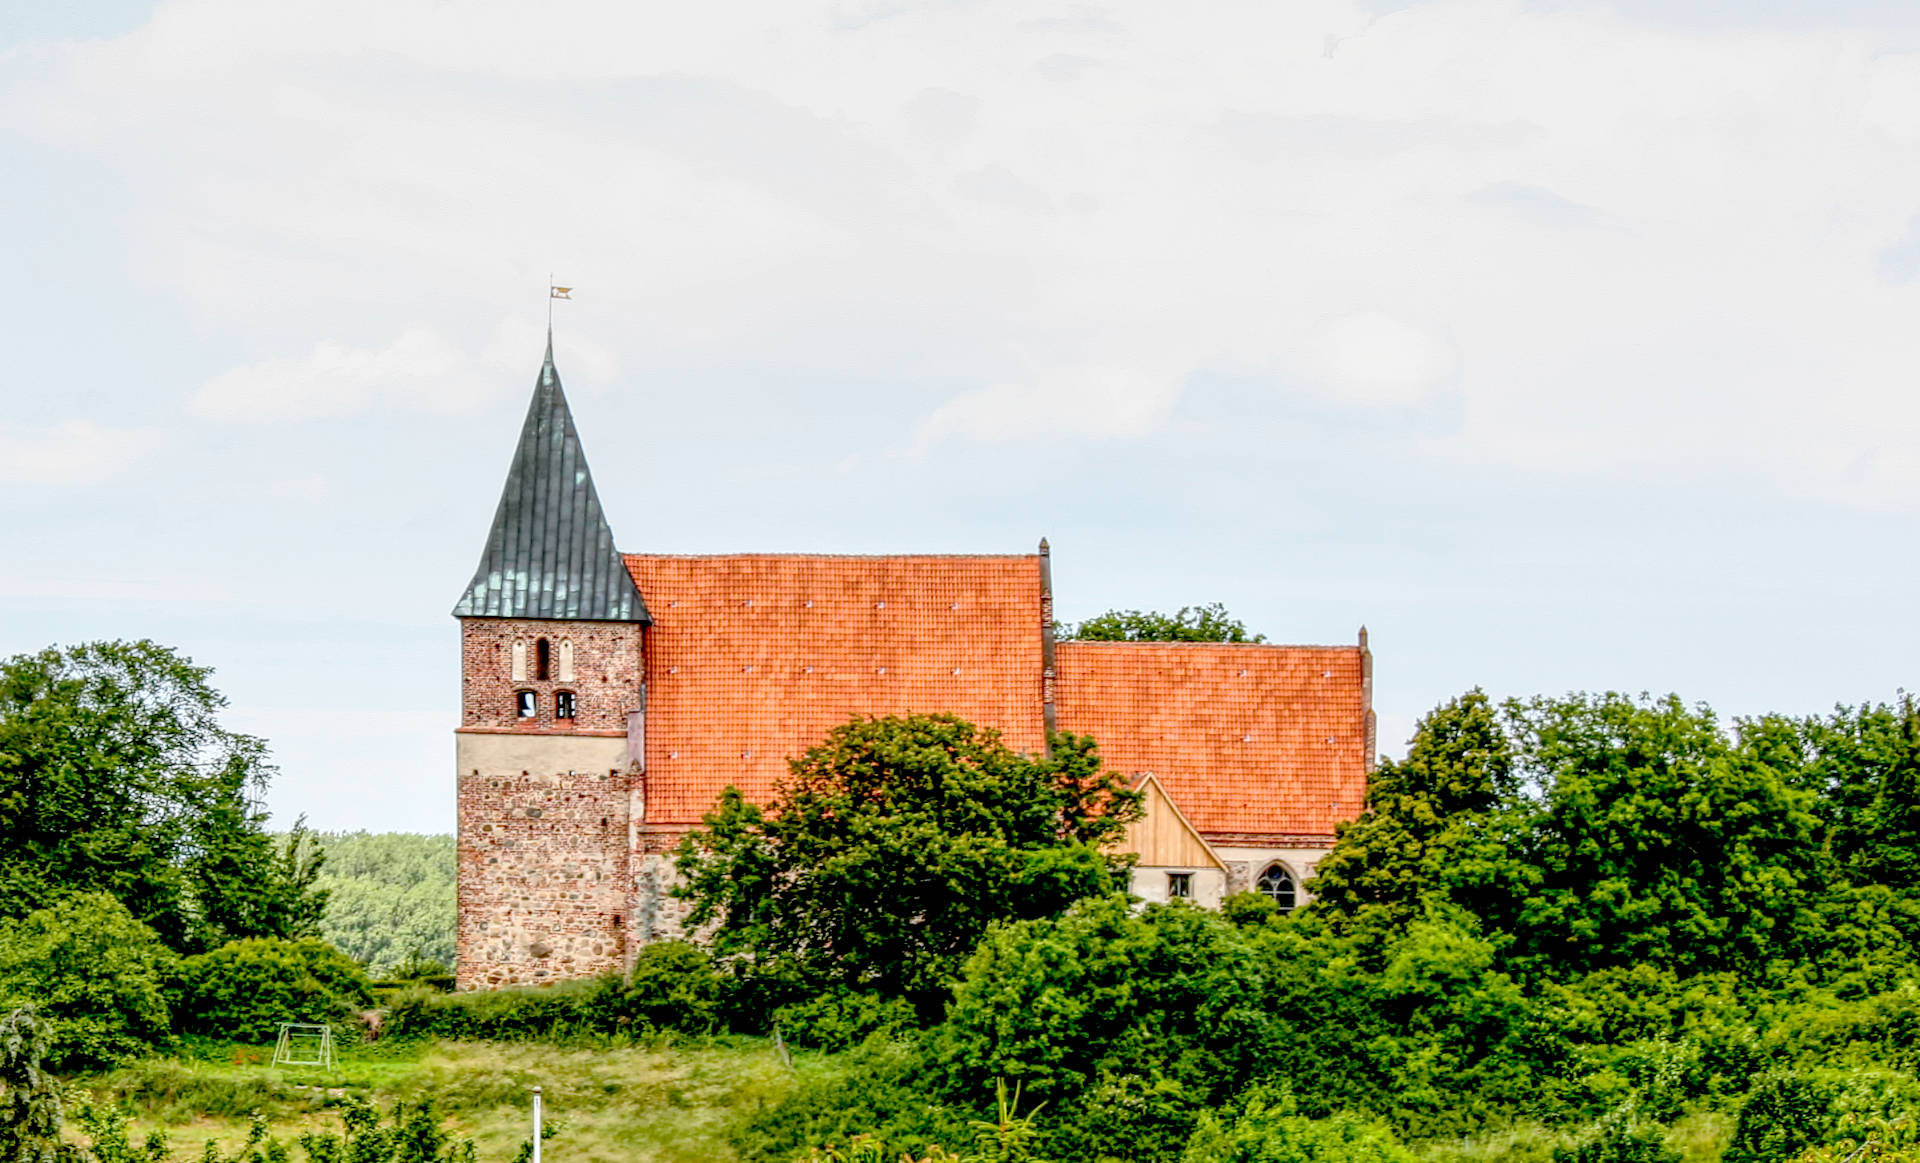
x,y
245,989
1265,1127
97,977
840,1019
1623,1136
673,986
878,1090
1125,1022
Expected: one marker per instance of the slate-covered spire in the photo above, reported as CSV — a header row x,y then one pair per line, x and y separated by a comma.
x,y
550,553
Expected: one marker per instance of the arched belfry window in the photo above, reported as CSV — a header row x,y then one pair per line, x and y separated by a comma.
x,y
542,655
526,704
1276,884
563,704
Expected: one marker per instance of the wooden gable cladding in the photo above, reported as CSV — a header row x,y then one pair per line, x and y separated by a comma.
x,y
1162,837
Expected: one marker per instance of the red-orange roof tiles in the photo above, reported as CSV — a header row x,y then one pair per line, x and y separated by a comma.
x,y
1245,738
753,658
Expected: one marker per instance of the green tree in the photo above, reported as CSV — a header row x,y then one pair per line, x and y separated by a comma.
x,y
96,977
1208,623
1885,849
116,776
1125,1022
1427,828
390,897
1658,839
31,1112
890,849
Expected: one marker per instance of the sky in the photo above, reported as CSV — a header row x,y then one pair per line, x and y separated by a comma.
x,y
1565,346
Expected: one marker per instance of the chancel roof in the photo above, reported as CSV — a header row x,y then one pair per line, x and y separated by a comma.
x,y
550,552
1268,740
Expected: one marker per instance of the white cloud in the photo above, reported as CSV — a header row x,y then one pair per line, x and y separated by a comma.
x,y
77,452
1114,401
1626,248
1375,358
420,370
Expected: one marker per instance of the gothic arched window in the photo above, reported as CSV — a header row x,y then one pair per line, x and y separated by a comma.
x,y
563,704
1276,883
524,705
542,653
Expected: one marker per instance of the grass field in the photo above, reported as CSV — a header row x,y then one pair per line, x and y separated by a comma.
x,y
668,1101
664,1101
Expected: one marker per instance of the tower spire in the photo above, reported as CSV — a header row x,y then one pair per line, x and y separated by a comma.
x,y
550,553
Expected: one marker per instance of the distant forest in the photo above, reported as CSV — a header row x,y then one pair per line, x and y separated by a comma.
x,y
390,897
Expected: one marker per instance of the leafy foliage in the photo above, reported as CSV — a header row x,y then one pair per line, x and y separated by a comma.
x,y
96,978
1428,826
117,777
1658,840
672,986
1264,1126
245,989
390,897
31,1110
1208,623
891,848
1136,1019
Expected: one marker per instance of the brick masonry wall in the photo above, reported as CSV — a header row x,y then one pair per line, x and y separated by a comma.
x,y
607,673
544,805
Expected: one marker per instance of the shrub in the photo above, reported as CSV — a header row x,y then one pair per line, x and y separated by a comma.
x,y
245,989
842,1019
1266,1128
96,976
875,1094
672,987
1623,1135
1124,1022
1784,1114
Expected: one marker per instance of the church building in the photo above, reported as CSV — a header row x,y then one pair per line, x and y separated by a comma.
x,y
607,698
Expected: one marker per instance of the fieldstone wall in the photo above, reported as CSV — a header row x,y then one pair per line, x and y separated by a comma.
x,y
544,804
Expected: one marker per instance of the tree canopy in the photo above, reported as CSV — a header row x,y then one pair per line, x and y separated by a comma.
x,y
1425,829
117,776
890,849
1208,623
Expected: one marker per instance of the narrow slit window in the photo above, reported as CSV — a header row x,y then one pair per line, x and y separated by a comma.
x,y
542,654
524,703
563,704
1180,886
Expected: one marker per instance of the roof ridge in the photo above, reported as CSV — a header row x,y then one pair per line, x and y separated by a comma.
x,y
1110,642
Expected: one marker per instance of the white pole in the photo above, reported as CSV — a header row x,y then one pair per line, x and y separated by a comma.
x,y
536,1125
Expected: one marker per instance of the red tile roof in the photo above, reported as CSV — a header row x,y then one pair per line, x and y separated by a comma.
x,y
1246,739
753,658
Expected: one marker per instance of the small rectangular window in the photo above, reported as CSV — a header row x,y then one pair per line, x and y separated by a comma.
x,y
563,705
1179,886
528,709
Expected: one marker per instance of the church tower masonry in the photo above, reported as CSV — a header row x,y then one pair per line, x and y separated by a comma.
x,y
552,639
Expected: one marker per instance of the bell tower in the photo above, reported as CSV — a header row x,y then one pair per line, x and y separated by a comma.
x,y
552,641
